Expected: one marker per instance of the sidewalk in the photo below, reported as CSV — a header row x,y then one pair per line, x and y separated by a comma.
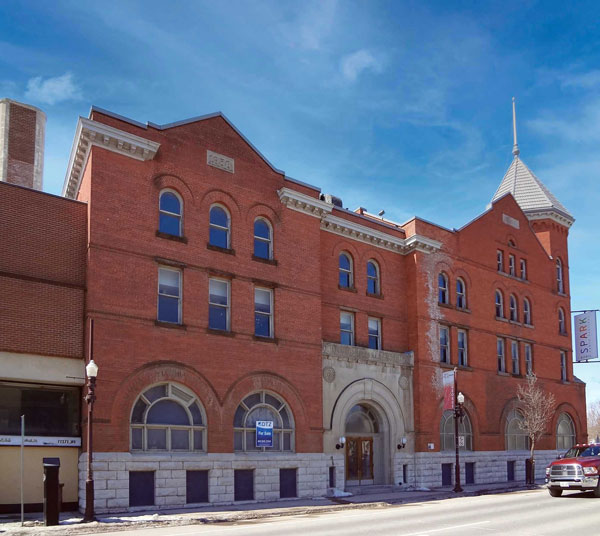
x,y
70,523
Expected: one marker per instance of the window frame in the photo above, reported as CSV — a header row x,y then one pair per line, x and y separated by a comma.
x,y
172,396
348,272
243,430
518,435
219,227
376,279
501,354
562,326
560,438
499,303
512,268
171,214
527,312
563,366
560,283
523,269
377,337
500,260
514,357
443,289
513,308
465,428
445,354
269,315
463,350
461,293
528,352
268,241
179,297
351,331
227,307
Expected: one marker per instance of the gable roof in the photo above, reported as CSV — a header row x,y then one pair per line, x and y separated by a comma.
x,y
531,194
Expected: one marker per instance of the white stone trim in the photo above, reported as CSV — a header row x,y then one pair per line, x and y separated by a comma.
x,y
304,203
549,214
111,476
42,369
91,133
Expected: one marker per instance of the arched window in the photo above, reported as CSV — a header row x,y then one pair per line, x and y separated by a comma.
x,y
361,420
499,305
514,310
170,211
373,278
516,437
565,432
461,294
562,329
263,406
526,312
447,431
263,243
168,416
560,286
345,270
443,288
219,227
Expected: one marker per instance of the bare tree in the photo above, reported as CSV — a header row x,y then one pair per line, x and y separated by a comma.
x,y
593,420
537,407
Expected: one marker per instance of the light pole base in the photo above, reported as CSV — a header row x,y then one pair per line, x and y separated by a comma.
x,y
89,516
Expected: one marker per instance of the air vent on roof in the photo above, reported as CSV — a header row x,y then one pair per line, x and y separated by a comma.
x,y
332,200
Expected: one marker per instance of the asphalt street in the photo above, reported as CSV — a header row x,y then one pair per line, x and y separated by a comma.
x,y
523,513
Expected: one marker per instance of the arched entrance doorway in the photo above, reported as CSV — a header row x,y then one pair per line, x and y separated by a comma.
x,y
365,433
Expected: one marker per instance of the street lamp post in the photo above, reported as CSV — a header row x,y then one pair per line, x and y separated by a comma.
x,y
459,400
91,371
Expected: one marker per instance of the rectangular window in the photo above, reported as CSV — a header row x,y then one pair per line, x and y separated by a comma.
x,y
523,269
462,348
48,410
511,265
375,333
263,312
563,366
444,344
196,486
500,260
287,483
218,304
243,485
500,354
169,295
528,359
510,470
447,474
347,328
470,473
141,488
514,353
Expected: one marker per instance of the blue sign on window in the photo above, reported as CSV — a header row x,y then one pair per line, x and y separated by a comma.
x,y
264,434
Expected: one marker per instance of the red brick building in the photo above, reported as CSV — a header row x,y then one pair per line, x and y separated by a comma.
x,y
256,340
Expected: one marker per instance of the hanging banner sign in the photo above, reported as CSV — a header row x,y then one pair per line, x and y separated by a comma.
x,y
448,382
586,342
264,433
40,441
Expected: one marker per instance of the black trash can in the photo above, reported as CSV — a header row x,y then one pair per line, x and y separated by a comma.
x,y
51,491
529,472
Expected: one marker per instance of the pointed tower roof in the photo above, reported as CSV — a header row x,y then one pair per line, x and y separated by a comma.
x,y
530,192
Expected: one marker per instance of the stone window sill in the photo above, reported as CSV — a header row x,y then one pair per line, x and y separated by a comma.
x,y
271,340
170,325
378,296
515,323
175,238
221,332
228,251
502,373
466,368
501,319
347,289
446,365
463,309
446,305
272,262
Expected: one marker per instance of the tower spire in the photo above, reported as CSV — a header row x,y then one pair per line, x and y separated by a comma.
x,y
515,150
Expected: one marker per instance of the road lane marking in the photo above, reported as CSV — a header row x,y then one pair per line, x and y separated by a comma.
x,y
427,532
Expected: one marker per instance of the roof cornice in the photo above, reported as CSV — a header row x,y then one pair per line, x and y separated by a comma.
x,y
90,133
355,231
550,214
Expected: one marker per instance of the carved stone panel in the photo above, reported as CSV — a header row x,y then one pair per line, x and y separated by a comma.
x,y
220,161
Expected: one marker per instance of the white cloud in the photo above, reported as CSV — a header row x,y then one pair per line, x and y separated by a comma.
x,y
316,22
354,64
52,90
581,128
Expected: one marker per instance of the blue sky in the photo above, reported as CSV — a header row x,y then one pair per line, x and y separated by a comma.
x,y
402,106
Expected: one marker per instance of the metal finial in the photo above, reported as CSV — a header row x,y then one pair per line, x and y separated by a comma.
x,y
515,150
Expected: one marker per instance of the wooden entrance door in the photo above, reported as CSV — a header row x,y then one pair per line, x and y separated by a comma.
x,y
359,459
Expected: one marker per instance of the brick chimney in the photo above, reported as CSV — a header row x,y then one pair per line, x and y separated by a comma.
x,y
22,130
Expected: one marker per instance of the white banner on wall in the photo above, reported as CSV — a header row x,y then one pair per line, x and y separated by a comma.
x,y
586,342
40,441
